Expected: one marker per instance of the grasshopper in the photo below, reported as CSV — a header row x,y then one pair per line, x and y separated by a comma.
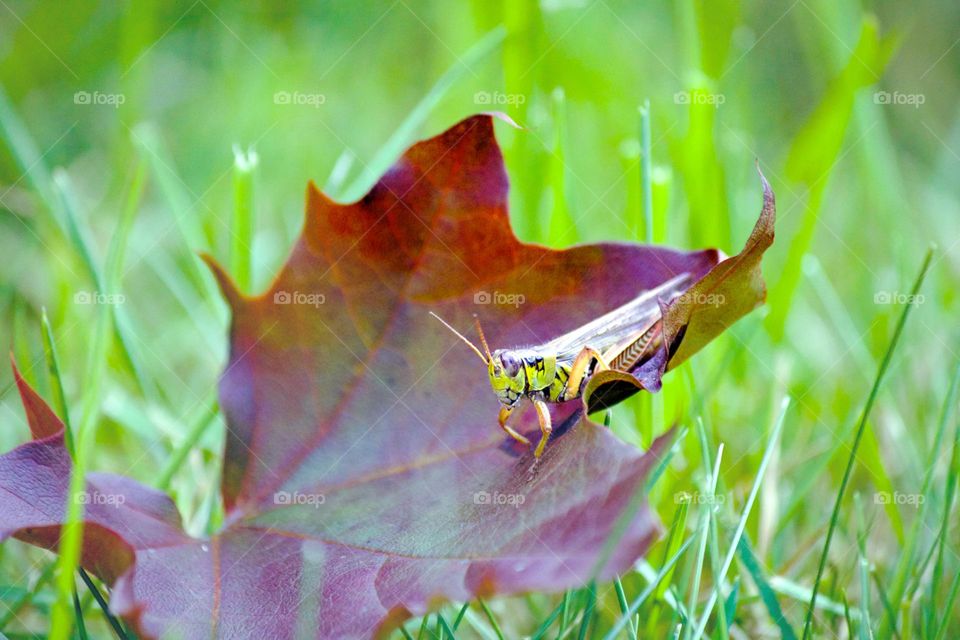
x,y
557,371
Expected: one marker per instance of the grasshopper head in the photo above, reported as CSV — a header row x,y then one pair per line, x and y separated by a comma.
x,y
507,376
505,367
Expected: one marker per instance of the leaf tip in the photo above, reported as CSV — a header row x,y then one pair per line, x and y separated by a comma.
x,y
769,199
43,422
317,200
503,117
227,287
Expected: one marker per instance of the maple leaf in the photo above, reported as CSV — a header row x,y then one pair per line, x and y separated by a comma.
x,y
365,478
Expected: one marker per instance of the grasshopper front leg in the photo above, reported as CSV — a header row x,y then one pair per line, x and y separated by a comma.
x,y
504,415
579,369
546,426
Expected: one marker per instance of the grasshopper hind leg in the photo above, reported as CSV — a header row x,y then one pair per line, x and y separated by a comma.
x,y
578,370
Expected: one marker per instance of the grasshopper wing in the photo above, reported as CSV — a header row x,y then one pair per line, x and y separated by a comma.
x,y
622,326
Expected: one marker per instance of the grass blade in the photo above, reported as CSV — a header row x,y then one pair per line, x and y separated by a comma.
x,y
423,627
241,233
814,154
650,588
674,539
111,619
562,227
863,566
182,207
887,609
564,613
953,473
730,606
871,398
78,615
491,618
703,531
339,172
56,382
180,454
57,197
443,629
718,574
624,607
796,591
459,618
745,514
27,155
948,606
85,437
588,611
864,572
646,172
548,622
767,594
906,561
113,277
405,133
72,531
106,281
847,618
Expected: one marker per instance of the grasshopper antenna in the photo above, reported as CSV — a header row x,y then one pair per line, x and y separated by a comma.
x,y
461,336
483,338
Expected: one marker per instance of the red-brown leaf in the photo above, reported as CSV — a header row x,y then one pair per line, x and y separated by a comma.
x,y
363,465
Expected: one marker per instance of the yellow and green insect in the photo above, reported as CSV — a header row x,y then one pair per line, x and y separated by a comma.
x,y
557,371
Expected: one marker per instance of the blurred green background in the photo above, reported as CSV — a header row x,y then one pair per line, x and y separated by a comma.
x,y
150,108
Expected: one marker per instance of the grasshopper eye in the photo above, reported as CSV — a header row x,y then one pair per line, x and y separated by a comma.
x,y
511,365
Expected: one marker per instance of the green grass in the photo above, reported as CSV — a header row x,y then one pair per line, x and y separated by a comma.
x,y
861,429
623,138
